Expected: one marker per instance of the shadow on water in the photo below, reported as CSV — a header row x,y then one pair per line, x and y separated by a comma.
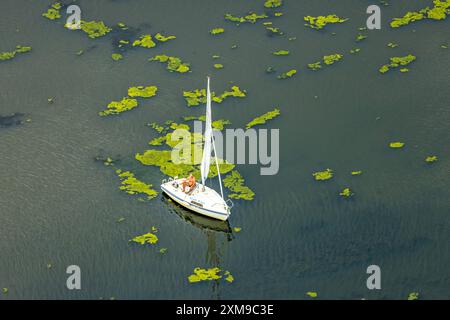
x,y
200,222
14,119
214,231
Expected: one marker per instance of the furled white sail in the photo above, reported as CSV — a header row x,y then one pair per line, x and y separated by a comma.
x,y
206,160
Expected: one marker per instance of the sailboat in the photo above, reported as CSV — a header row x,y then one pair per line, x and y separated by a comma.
x,y
202,199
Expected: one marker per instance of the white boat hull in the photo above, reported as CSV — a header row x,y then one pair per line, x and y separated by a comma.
x,y
202,200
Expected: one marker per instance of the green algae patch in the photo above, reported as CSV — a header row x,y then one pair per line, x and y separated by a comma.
x,y
162,38
198,96
355,50
210,274
312,294
5,290
315,66
272,31
235,183
218,66
396,62
356,173
145,41
413,296
327,60
287,74
237,229
431,159
273,3
263,118
189,156
148,238
216,124
228,277
8,55
216,31
204,275
143,92
439,11
158,141
133,186
251,17
360,37
323,175
53,12
174,64
95,29
116,56
333,58
321,22
346,193
281,53
116,107
392,45
129,103
396,145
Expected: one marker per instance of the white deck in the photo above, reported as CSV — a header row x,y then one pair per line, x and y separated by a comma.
x,y
203,200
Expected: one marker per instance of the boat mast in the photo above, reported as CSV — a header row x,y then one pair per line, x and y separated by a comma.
x,y
209,134
217,165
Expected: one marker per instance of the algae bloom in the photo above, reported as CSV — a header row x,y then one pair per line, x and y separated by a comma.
x,y
396,62
439,11
95,29
346,193
263,118
116,107
145,41
53,12
273,3
287,74
396,145
320,22
217,31
133,186
143,92
11,54
210,274
198,96
323,175
431,159
148,238
235,183
174,64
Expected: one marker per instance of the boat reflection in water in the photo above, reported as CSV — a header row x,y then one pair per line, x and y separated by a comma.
x,y
218,234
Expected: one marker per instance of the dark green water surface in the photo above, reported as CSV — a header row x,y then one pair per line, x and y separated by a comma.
x,y
60,207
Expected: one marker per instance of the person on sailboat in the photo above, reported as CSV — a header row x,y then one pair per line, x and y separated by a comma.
x,y
189,182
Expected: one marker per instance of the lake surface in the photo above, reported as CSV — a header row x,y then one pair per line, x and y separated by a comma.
x,y
59,206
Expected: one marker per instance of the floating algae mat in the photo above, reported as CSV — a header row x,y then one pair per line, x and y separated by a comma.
x,y
439,11
321,22
263,118
147,238
198,96
8,55
396,62
323,175
191,161
327,60
210,274
174,64
381,134
131,185
129,103
235,183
